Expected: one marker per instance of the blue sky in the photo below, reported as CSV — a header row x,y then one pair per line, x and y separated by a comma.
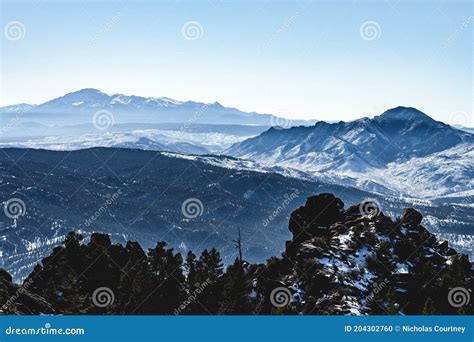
x,y
295,59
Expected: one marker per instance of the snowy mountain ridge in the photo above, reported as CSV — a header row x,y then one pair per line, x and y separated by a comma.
x,y
79,107
401,151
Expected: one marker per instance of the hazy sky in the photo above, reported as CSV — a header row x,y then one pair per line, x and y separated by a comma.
x,y
323,60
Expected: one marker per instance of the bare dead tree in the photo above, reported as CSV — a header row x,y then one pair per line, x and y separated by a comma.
x,y
238,245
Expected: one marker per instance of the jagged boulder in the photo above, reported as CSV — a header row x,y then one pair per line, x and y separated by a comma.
x,y
5,276
315,216
356,253
102,240
19,300
411,218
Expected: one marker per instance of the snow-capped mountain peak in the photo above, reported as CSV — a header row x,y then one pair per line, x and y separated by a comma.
x,y
380,150
404,113
78,107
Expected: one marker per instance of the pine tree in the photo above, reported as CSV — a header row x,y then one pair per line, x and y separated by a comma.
x,y
192,273
236,290
210,269
168,280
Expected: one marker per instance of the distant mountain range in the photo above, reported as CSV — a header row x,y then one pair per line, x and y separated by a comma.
x,y
401,151
241,165
466,129
194,139
79,107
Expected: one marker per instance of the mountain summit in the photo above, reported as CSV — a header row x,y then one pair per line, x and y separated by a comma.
x,y
374,154
78,107
403,113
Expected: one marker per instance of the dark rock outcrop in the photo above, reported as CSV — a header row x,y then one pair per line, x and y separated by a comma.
x,y
411,218
19,300
315,216
369,264
338,262
102,240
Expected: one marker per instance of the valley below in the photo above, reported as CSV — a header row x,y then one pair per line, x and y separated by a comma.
x,y
130,172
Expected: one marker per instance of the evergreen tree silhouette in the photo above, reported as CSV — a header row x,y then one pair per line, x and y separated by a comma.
x,y
168,280
236,289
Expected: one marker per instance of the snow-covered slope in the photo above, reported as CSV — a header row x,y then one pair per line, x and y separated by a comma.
x,y
18,108
402,150
450,171
173,140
